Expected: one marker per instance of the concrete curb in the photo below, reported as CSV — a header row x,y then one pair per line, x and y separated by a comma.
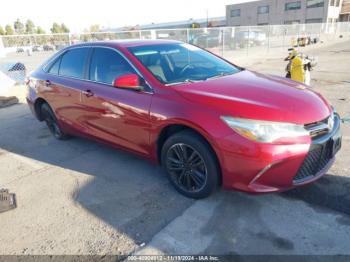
x,y
6,101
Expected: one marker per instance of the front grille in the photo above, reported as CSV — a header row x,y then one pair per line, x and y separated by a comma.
x,y
317,158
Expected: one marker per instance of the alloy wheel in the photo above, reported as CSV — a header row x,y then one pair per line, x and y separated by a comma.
x,y
52,124
186,167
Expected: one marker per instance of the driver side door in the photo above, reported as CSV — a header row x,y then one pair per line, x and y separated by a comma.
x,y
115,115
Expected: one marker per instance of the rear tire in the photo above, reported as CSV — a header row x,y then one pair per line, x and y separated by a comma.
x,y
191,164
51,122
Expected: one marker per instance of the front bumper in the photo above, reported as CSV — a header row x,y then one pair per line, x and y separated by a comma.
x,y
261,168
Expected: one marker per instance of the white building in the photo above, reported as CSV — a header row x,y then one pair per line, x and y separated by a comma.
x,y
275,12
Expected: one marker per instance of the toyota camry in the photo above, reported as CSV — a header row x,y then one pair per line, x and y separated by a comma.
x,y
207,121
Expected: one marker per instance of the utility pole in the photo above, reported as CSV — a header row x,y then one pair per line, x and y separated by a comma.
x,y
207,18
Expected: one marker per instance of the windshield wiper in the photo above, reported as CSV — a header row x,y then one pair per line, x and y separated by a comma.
x,y
220,75
184,81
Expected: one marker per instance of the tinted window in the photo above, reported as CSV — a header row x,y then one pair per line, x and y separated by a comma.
x,y
72,62
236,12
313,21
314,3
293,6
54,68
291,22
107,65
263,9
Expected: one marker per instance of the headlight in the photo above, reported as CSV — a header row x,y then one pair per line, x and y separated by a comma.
x,y
264,131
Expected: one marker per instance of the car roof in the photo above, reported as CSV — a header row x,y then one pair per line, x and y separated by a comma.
x,y
127,43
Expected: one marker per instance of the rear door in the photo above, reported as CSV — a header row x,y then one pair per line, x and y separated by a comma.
x,y
116,115
63,85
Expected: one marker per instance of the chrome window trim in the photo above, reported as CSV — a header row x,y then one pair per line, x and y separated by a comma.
x,y
151,91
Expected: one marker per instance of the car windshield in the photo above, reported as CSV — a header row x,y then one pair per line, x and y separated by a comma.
x,y
178,63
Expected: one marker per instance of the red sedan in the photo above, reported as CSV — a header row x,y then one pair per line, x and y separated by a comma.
x,y
207,121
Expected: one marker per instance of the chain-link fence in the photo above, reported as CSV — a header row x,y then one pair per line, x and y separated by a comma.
x,y
229,42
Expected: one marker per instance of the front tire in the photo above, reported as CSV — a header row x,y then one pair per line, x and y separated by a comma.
x,y
51,122
191,164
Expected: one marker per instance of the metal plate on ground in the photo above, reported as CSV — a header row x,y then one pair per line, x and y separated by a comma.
x,y
7,200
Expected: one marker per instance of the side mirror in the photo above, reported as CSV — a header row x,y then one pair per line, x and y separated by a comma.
x,y
128,81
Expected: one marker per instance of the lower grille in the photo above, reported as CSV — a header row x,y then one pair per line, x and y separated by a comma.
x,y
317,158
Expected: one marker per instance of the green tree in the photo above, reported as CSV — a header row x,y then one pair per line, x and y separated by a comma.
x,y
55,28
30,27
195,25
19,27
39,30
2,31
94,28
9,30
64,28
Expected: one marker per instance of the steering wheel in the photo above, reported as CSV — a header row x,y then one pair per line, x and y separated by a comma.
x,y
186,67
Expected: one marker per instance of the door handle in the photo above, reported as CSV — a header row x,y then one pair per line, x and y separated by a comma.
x,y
47,82
88,93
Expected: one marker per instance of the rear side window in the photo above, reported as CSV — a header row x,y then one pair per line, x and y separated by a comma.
x,y
54,68
107,65
72,62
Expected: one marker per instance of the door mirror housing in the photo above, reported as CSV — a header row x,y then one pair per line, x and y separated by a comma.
x,y
128,81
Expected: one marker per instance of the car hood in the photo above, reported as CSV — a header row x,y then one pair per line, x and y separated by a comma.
x,y
257,96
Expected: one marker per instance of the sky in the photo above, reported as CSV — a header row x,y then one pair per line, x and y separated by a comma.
x,y
78,15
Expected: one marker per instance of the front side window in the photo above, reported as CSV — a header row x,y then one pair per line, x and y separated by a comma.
x,y
177,63
263,9
107,65
235,12
293,6
73,63
314,3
